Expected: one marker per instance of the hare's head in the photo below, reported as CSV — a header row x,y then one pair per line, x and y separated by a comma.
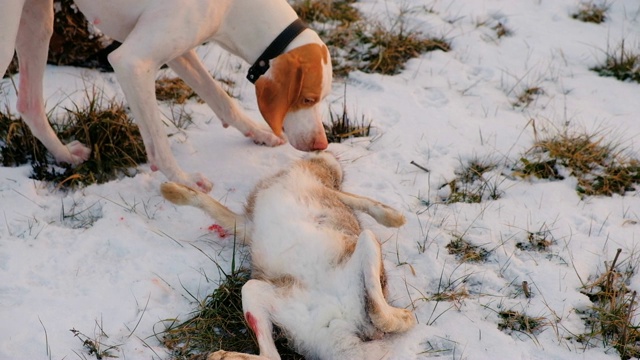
x,y
327,168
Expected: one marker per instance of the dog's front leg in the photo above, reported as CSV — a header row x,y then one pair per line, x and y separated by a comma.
x,y
136,63
258,297
190,69
32,43
367,260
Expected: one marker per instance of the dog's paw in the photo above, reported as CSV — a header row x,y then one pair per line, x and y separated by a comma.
x,y
76,153
264,136
200,182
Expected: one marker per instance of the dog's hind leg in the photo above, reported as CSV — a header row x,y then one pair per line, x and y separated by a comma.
x,y
9,23
32,44
382,213
190,69
258,298
367,258
183,195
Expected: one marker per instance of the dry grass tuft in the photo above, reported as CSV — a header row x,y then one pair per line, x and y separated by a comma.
x,y
95,347
538,167
471,184
174,90
456,295
528,96
465,251
540,240
17,145
514,321
342,126
451,290
388,50
501,30
103,125
327,11
591,12
357,43
621,63
218,324
611,318
600,168
498,27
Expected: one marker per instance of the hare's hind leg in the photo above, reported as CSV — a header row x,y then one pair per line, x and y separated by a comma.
x,y
384,316
183,195
382,213
257,298
226,355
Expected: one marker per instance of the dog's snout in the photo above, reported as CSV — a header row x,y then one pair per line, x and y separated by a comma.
x,y
320,143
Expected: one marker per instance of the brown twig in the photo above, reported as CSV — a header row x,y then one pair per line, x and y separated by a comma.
x,y
525,289
612,268
419,166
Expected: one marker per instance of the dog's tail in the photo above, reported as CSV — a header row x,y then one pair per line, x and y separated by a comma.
x,y
184,195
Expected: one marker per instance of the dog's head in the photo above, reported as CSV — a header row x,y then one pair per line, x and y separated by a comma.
x,y
291,92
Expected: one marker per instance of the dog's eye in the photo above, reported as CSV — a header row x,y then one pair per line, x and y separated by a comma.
x,y
308,101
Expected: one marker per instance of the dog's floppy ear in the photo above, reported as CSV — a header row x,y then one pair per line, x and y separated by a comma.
x,y
279,89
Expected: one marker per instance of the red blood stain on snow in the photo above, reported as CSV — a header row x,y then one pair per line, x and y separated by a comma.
x,y
219,230
160,285
97,21
253,323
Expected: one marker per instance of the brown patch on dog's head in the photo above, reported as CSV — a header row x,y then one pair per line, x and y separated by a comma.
x,y
294,81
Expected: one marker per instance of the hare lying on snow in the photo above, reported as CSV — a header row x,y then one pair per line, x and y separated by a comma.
x,y
315,273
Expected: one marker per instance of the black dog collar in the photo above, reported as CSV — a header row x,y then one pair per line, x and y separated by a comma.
x,y
275,48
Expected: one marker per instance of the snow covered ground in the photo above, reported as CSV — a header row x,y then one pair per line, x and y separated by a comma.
x,y
115,261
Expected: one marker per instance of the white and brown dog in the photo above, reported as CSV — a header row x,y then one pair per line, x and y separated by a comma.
x,y
315,273
157,32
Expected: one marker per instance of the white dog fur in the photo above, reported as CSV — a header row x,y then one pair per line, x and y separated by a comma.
x,y
157,32
315,273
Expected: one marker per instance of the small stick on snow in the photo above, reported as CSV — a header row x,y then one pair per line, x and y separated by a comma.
x,y
525,289
419,166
